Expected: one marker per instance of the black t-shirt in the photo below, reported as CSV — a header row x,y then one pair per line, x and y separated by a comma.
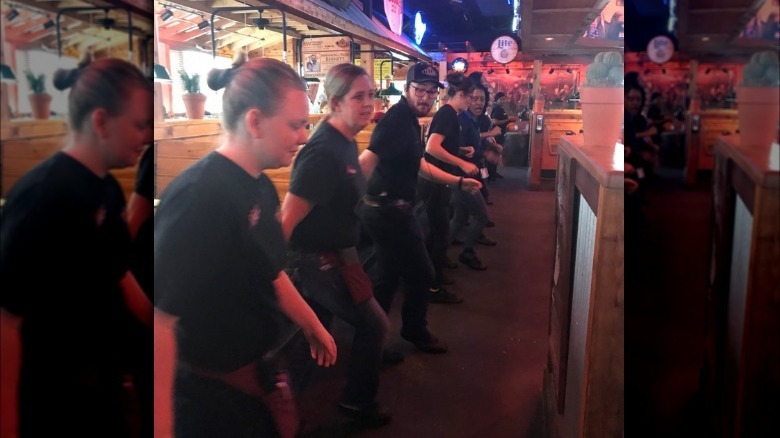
x,y
445,122
498,113
64,247
471,136
327,174
142,259
396,140
484,123
218,247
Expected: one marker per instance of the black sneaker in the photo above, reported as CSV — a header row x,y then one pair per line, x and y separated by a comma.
x,y
472,261
456,242
427,343
391,356
486,241
371,415
443,296
446,281
498,175
449,264
490,224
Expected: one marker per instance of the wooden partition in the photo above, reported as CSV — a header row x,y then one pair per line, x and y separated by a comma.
x,y
700,144
24,144
181,143
744,291
583,384
544,144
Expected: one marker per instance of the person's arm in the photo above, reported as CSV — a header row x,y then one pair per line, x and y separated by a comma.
x,y
294,209
321,343
494,131
136,300
368,161
139,208
433,173
435,148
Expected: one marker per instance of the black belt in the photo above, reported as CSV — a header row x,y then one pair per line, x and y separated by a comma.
x,y
383,201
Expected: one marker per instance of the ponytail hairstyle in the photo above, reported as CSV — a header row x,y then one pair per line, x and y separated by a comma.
x,y
339,80
105,83
458,82
258,83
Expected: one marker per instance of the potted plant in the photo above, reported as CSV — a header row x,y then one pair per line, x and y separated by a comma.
x,y
601,98
40,100
758,100
194,100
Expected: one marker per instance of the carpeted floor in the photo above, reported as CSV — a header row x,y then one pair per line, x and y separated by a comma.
x,y
490,382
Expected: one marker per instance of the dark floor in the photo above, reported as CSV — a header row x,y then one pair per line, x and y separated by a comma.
x,y
665,291
490,382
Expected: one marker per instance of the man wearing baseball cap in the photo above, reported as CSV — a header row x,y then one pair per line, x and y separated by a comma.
x,y
391,163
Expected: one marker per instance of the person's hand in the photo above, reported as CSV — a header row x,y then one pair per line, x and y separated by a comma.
x,y
467,151
470,185
492,140
469,168
322,346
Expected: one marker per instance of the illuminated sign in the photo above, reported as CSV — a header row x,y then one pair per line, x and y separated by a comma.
x,y
460,65
660,49
504,49
394,10
419,28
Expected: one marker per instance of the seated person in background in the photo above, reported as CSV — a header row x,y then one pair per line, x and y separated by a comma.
x,y
501,119
642,151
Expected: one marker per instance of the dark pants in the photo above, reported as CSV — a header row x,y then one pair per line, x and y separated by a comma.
x,y
401,255
437,201
206,408
325,286
468,204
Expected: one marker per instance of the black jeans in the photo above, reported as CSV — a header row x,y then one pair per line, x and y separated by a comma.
x,y
437,204
401,255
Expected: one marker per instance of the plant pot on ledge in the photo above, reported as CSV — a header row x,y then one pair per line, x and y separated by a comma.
x,y
758,112
195,105
41,105
194,100
602,113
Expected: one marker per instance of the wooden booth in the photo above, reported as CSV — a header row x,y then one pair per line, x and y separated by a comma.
x,y
583,382
744,290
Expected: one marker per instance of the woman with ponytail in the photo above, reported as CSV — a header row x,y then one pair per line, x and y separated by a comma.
x,y
64,260
219,253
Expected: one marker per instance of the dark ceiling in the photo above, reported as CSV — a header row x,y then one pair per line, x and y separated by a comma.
x,y
453,22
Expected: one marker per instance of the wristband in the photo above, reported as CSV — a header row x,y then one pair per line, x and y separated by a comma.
x,y
460,182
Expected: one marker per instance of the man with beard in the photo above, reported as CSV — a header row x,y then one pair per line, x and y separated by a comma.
x,y
391,165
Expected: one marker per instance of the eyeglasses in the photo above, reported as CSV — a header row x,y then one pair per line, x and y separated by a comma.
x,y
420,92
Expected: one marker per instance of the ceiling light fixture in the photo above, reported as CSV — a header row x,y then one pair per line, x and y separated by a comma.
x,y
552,70
166,14
507,71
203,24
48,24
13,14
549,39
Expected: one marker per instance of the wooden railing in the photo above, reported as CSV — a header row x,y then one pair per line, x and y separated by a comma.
x,y
544,144
583,385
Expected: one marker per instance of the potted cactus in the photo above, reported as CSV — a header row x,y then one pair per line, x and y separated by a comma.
x,y
40,100
758,100
601,97
194,100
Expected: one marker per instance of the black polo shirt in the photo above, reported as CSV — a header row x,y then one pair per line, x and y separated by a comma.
x,y
471,137
64,247
218,247
445,122
397,142
142,259
498,113
327,174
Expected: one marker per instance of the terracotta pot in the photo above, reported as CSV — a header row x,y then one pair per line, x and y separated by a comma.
x,y
602,114
758,112
195,105
41,105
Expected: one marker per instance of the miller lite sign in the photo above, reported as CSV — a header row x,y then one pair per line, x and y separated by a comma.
x,y
504,49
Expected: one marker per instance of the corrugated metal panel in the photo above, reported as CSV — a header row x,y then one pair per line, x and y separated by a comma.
x,y
740,261
580,306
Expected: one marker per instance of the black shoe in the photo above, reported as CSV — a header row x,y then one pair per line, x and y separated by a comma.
x,y
371,415
472,262
449,264
446,281
486,241
488,202
391,356
498,175
427,343
443,296
456,242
